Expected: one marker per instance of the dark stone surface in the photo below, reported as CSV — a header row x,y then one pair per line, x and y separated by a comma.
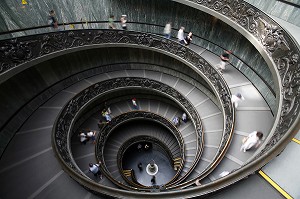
x,y
253,187
64,187
156,12
165,169
15,181
33,82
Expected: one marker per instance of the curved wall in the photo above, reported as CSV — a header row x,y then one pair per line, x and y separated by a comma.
x,y
156,12
282,10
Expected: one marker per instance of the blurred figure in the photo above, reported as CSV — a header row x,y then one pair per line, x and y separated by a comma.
x,y
94,168
197,182
176,121
52,20
147,147
139,147
153,180
140,166
123,21
236,98
224,173
188,39
111,24
253,139
106,114
224,59
167,30
92,136
83,138
134,103
184,117
180,35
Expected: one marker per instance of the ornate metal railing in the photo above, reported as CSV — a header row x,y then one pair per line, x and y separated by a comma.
x,y
157,144
76,40
282,55
65,121
129,116
55,42
11,47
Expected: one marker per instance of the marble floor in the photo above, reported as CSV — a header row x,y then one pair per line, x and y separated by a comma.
x,y
165,170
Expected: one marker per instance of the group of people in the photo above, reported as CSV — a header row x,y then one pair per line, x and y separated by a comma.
x,y
145,146
186,40
106,113
85,136
53,21
95,169
254,138
183,39
111,23
177,121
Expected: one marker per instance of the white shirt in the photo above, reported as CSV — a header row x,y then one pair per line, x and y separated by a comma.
x,y
180,35
134,102
167,29
183,116
82,137
251,141
94,169
235,100
175,120
90,134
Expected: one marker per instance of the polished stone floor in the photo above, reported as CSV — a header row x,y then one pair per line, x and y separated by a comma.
x,y
165,170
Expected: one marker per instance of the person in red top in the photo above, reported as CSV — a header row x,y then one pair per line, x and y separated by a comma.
x,y
224,59
134,103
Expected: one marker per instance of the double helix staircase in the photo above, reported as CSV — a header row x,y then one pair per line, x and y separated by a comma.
x,y
30,156
197,98
38,128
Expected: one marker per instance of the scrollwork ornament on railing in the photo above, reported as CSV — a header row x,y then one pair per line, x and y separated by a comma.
x,y
138,139
105,133
275,40
268,32
24,49
272,38
136,115
237,10
63,125
289,71
102,138
278,45
14,52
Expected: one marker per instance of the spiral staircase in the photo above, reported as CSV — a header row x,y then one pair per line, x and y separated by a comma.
x,y
72,75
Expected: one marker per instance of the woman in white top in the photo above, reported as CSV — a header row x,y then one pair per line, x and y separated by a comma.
x,y
180,35
83,138
167,30
236,98
253,139
123,22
